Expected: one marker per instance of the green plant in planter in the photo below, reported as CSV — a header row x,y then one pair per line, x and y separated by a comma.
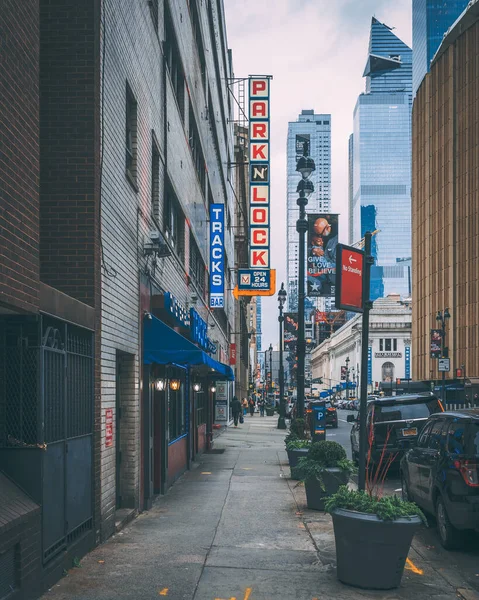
x,y
296,444
298,427
322,456
386,508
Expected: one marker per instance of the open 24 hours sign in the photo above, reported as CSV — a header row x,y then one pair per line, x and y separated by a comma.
x,y
254,279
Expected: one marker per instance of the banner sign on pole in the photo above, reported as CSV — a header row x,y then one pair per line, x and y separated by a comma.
x,y
217,256
344,371
291,331
349,278
259,152
436,343
322,242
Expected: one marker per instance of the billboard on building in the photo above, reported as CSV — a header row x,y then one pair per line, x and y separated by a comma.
x,y
321,256
436,343
301,141
290,331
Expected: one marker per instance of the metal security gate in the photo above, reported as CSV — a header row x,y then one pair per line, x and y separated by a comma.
x,y
66,402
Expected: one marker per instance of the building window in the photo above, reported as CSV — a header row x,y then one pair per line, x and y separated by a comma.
x,y
195,24
387,344
395,345
174,222
176,413
195,145
197,266
387,372
381,345
155,180
131,134
172,56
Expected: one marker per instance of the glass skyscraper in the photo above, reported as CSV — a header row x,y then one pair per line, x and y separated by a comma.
x,y
316,130
430,21
381,161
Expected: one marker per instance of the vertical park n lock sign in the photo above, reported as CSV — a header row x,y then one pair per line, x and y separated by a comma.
x,y
259,150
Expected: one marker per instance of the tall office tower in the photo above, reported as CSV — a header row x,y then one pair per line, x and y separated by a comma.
x,y
430,21
259,318
351,239
316,130
382,160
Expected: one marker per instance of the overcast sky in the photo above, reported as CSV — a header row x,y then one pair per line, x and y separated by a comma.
x,y
316,51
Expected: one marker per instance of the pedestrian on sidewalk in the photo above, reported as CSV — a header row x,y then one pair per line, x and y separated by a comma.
x,y
245,406
251,406
236,408
261,407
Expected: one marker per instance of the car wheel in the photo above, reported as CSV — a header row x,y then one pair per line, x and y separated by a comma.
x,y
450,537
335,425
405,493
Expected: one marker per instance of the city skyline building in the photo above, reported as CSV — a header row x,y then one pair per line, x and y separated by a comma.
x,y
430,21
315,129
381,161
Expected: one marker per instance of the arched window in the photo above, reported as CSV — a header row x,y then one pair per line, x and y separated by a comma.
x,y
388,372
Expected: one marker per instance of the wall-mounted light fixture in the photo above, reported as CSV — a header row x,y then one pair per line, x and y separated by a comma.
x,y
160,385
197,387
213,389
175,384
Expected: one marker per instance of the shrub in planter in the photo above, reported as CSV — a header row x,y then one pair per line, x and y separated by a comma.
x,y
324,470
296,449
373,535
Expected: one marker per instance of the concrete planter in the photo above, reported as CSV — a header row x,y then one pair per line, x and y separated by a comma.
x,y
270,412
371,553
332,480
295,455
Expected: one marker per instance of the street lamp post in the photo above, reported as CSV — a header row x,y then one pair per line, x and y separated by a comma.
x,y
282,406
270,368
442,318
463,370
305,188
347,378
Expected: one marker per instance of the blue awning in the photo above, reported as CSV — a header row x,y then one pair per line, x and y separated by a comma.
x,y
164,346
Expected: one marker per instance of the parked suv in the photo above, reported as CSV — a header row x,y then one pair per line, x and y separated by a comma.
x,y
397,422
442,473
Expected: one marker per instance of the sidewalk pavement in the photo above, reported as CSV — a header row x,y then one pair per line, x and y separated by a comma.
x,y
236,528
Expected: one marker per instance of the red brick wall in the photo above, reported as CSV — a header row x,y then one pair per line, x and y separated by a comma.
x,y
177,459
70,136
19,156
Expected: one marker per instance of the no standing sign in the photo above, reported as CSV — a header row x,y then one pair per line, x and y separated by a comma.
x,y
349,278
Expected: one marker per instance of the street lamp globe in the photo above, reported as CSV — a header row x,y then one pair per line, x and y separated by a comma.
x,y
305,166
447,315
282,296
305,187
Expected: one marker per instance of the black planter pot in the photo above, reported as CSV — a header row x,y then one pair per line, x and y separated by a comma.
x,y
270,412
371,553
295,455
332,480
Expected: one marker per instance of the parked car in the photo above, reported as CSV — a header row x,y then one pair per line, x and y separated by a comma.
x,y
397,422
441,474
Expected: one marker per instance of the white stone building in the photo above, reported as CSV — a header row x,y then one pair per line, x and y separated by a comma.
x,y
389,349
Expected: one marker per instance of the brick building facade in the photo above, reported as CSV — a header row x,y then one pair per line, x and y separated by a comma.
x,y
445,204
118,119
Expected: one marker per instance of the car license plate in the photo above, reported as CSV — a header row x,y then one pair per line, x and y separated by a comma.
x,y
412,431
